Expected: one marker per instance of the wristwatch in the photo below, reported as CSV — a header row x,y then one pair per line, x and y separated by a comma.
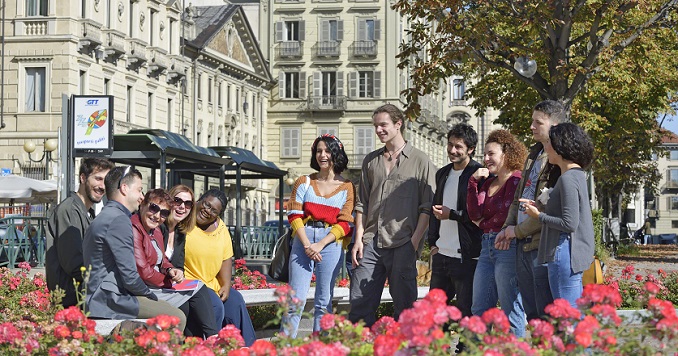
x,y
167,271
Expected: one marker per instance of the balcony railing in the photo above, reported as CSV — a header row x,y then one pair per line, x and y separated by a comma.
x,y
33,27
257,241
327,103
90,37
137,54
364,48
114,44
158,61
177,69
291,49
328,49
355,160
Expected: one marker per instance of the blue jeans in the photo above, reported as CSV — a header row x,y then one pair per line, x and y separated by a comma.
x,y
301,271
495,280
564,283
234,311
533,282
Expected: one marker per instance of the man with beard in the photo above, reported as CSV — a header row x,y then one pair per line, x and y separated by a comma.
x,y
67,225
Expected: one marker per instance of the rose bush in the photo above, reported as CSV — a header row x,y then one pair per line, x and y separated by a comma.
x,y
632,287
593,327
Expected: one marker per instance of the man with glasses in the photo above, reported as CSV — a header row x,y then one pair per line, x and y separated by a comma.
x,y
115,290
66,226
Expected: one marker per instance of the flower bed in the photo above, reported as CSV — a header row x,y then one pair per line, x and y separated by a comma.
x,y
32,326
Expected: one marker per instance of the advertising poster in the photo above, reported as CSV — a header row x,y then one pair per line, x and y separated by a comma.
x,y
92,117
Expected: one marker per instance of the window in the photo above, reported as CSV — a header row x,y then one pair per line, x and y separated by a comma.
x,y
291,31
365,84
209,90
672,179
458,89
329,84
200,87
292,85
151,27
170,113
673,203
149,109
83,9
35,89
331,30
237,99
228,97
170,41
673,155
369,30
36,7
83,83
364,140
110,12
130,104
131,17
107,86
291,142
327,130
674,224
219,90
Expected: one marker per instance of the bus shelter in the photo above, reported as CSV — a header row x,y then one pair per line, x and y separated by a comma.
x,y
177,159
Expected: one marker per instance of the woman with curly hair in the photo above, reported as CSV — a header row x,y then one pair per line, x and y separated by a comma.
x,y
319,211
567,242
495,278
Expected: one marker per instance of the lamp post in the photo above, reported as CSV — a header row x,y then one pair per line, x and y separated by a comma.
x,y
50,146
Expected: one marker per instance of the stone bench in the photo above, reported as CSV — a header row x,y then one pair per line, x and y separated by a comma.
x,y
105,326
256,297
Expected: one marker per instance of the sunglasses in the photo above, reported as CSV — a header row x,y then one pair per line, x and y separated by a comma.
x,y
154,209
187,203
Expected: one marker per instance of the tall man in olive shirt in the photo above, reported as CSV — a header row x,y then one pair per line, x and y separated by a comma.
x,y
67,225
392,214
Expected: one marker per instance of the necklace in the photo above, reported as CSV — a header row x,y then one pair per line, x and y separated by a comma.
x,y
390,155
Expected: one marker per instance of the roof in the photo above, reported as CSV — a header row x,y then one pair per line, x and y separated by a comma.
x,y
669,138
247,160
210,20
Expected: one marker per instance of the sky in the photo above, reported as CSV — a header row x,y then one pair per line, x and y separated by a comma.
x,y
670,123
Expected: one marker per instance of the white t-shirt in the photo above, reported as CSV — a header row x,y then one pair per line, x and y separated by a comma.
x,y
448,243
530,186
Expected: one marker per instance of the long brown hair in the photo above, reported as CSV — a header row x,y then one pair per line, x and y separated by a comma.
x,y
189,221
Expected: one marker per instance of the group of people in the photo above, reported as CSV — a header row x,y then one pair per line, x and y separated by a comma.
x,y
144,255
516,230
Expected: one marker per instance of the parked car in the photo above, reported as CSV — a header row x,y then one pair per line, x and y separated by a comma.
x,y
274,223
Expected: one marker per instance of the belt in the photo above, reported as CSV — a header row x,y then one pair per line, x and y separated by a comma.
x,y
319,224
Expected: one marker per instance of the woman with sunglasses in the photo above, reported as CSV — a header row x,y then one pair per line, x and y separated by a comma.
x,y
209,255
159,274
319,211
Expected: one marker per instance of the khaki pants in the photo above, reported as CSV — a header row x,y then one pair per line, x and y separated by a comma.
x,y
150,308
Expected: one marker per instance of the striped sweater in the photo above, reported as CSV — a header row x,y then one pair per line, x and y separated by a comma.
x,y
335,209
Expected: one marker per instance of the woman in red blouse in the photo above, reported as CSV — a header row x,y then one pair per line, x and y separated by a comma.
x,y
495,278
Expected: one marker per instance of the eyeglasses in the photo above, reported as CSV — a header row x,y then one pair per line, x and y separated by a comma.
x,y
207,206
154,209
187,203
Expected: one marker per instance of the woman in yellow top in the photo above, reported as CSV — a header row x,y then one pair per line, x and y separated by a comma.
x,y
209,254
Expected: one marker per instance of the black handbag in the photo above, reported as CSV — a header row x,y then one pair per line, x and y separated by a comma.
x,y
280,264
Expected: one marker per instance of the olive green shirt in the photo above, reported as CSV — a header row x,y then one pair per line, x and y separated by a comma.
x,y
391,203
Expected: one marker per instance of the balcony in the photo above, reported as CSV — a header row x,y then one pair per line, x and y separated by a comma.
x,y
355,160
364,48
177,69
114,45
158,62
290,50
328,49
90,37
32,26
137,54
327,103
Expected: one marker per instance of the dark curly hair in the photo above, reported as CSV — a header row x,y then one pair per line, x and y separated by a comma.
x,y
465,132
572,143
217,194
158,196
339,157
514,151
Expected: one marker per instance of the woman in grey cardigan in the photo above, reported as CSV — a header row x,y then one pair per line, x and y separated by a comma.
x,y
567,242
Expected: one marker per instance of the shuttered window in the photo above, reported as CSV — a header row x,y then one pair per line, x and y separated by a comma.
x,y
291,142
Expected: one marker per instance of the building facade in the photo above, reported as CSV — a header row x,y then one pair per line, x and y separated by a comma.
x,y
214,90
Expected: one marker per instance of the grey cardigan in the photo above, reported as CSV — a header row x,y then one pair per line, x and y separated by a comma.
x,y
568,210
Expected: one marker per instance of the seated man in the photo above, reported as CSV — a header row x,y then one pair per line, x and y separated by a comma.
x,y
115,290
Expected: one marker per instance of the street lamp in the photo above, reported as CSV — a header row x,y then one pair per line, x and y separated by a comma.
x,y
50,146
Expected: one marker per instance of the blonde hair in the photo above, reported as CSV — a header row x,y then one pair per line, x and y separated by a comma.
x,y
189,222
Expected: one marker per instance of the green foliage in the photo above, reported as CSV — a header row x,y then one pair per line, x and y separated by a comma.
x,y
600,250
262,315
611,63
628,250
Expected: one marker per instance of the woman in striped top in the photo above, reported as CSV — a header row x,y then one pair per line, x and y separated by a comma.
x,y
320,211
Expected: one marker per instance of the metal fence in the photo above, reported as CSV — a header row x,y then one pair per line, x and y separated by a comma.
x,y
22,238
257,241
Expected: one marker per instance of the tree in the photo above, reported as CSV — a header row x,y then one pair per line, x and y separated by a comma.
x,y
610,62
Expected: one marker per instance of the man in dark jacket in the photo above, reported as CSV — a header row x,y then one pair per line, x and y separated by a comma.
x,y
67,225
453,237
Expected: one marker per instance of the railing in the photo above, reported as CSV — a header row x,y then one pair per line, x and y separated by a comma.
x,y
34,27
327,103
22,238
291,49
257,241
364,48
328,49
